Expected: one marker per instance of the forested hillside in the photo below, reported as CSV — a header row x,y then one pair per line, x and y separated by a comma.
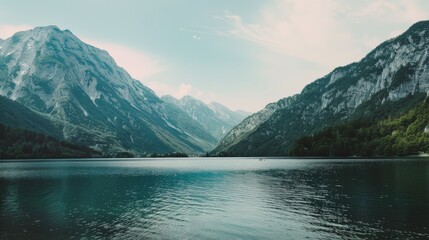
x,y
20,143
407,134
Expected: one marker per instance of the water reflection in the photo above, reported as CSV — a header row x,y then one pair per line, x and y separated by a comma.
x,y
215,199
356,200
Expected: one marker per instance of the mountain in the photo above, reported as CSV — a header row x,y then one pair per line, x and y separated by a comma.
x,y
215,118
55,74
397,69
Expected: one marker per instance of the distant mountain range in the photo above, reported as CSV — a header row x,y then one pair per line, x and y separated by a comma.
x,y
389,82
215,118
76,92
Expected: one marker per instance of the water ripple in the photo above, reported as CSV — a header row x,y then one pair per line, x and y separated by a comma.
x,y
215,199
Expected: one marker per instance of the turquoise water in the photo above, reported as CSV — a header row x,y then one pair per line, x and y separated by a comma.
x,y
215,199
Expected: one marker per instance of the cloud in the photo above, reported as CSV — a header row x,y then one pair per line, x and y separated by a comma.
x,y
326,32
139,65
188,89
393,11
181,90
196,33
7,30
306,29
400,13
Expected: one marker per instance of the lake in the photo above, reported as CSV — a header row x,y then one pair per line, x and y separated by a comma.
x,y
208,198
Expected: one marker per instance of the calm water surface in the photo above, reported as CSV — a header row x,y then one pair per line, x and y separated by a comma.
x,y
215,199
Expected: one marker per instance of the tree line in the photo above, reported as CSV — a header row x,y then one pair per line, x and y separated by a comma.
x,y
20,143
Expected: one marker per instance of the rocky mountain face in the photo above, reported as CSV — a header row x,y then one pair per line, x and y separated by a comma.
x,y
396,69
215,118
80,87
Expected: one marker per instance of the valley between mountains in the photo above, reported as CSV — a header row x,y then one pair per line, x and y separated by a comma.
x,y
60,97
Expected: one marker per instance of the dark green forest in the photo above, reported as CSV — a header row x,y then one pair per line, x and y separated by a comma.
x,y
403,135
20,143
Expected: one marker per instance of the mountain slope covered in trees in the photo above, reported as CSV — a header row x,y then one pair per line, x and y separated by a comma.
x,y
404,134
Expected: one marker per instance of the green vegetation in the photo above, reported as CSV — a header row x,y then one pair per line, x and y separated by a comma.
x,y
168,155
20,143
16,115
398,136
124,155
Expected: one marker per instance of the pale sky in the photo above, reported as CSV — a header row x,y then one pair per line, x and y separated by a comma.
x,y
241,53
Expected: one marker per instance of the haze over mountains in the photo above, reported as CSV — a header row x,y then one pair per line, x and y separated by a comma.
x,y
53,83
